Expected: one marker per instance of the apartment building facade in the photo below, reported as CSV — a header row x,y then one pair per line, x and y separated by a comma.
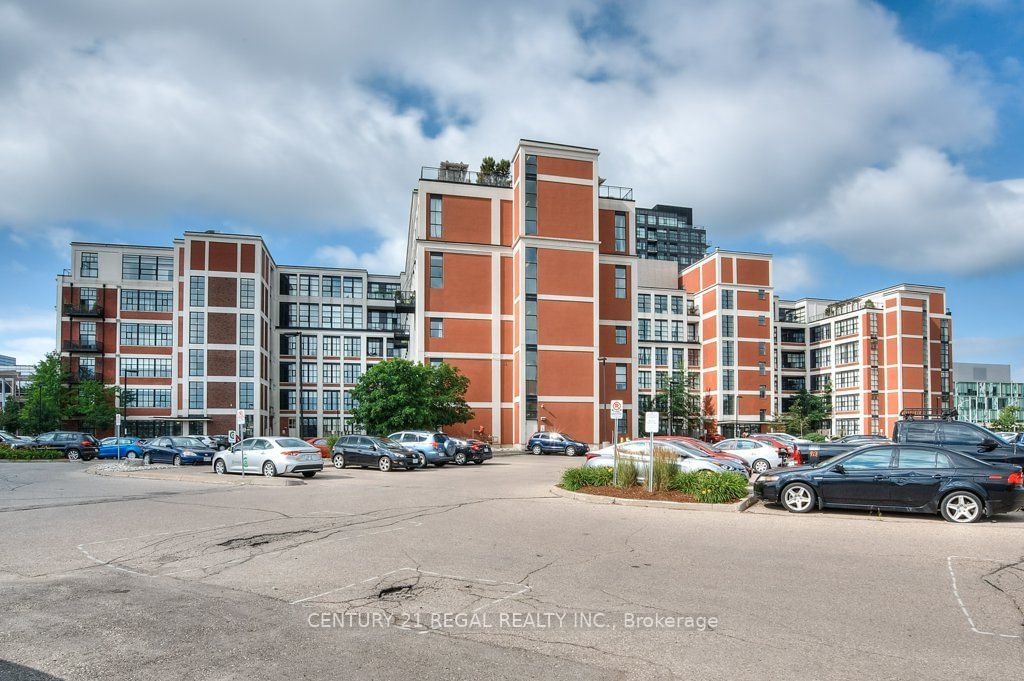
x,y
528,287
982,391
667,233
193,332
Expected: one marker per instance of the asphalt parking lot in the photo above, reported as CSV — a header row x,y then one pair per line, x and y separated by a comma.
x,y
481,572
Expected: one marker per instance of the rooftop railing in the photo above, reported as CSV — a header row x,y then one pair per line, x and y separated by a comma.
x,y
610,191
463,177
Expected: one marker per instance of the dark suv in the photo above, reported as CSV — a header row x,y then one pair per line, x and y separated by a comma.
x,y
548,441
75,445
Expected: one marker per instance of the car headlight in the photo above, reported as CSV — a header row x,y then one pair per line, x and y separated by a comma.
x,y
767,478
400,455
188,452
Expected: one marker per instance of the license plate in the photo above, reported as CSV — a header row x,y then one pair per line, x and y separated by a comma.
x,y
206,458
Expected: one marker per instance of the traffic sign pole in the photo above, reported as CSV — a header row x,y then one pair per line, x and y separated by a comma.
x,y
240,428
651,426
616,406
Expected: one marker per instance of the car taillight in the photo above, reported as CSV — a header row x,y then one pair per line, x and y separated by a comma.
x,y
591,455
797,459
86,443
291,452
437,445
1016,478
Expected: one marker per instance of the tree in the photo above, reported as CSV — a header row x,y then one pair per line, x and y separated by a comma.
x,y
46,398
679,404
808,411
94,406
401,395
10,416
494,172
1008,419
707,411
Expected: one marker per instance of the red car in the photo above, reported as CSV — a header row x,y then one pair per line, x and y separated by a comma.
x,y
321,444
702,446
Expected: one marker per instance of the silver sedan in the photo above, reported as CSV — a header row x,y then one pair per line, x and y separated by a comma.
x,y
270,456
638,452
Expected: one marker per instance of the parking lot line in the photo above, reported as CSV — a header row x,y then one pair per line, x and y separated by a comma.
x,y
960,601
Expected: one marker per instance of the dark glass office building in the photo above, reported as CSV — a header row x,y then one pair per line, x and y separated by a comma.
x,y
668,233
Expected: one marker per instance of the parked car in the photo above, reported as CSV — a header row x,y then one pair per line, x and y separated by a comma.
x,y
11,440
704,447
729,462
321,444
550,442
638,451
760,456
176,450
905,478
77,446
471,451
220,442
120,448
862,439
960,436
786,449
270,456
382,452
436,447
791,439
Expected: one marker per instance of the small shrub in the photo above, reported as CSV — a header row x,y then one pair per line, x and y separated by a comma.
x,y
721,488
30,454
331,441
665,468
687,483
575,478
627,474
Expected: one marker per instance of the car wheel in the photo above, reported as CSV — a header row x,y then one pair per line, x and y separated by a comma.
x,y
308,474
797,498
268,470
74,455
384,463
570,451
219,467
131,455
423,462
761,466
962,507
176,461
537,450
339,461
460,458
147,459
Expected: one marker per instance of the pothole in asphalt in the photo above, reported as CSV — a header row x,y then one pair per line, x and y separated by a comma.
x,y
262,539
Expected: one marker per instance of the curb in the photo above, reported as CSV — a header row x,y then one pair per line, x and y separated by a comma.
x,y
644,503
213,479
61,460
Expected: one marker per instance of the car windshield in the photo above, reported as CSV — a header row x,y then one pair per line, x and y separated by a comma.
x,y
387,442
186,442
291,442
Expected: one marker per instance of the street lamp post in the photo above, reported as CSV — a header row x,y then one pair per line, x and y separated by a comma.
x,y
600,407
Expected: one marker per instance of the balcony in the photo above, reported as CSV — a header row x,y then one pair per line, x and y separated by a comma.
x,y
610,191
405,301
401,332
82,346
85,375
83,310
456,173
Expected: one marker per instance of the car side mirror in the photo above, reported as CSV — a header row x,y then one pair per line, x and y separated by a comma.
x,y
838,468
989,444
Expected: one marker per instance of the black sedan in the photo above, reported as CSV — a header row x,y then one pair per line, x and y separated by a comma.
x,y
471,451
176,451
909,479
381,452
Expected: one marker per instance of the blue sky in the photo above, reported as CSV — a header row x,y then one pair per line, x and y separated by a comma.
x,y
864,144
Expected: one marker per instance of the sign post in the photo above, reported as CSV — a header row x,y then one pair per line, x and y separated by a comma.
x,y
616,406
651,426
240,434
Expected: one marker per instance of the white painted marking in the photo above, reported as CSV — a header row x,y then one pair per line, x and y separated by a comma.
x,y
960,601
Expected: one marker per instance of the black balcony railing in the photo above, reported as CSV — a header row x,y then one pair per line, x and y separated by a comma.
x,y
86,375
394,327
82,346
610,191
405,301
463,177
83,310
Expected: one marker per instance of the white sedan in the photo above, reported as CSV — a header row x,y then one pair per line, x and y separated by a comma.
x,y
270,456
760,456
639,453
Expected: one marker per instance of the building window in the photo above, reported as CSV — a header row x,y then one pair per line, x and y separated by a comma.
x,y
821,357
644,356
762,348
677,359
620,232
661,329
352,287
644,329
159,335
332,400
196,327
146,367
332,346
246,329
661,357
821,332
287,372
436,270
195,395
436,328
847,353
761,390
147,267
620,376
728,357
309,285
644,380
197,292
309,372
677,305
435,217
846,327
146,301
330,317
762,368
531,270
246,395
728,379
196,362
761,320
246,363
351,374
660,304
289,284
90,267
620,335
309,345
149,398
760,294
728,324
87,368
530,187
352,346
308,400
288,400
87,333
374,347
643,302
330,286
620,281
727,299
352,317
309,315
332,373
247,297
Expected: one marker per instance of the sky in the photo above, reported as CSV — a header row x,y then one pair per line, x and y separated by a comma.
x,y
863,144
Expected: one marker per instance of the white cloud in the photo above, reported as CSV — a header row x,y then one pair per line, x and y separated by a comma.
x,y
27,349
793,275
767,118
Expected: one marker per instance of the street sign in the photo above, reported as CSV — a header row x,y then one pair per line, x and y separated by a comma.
x,y
616,409
651,421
